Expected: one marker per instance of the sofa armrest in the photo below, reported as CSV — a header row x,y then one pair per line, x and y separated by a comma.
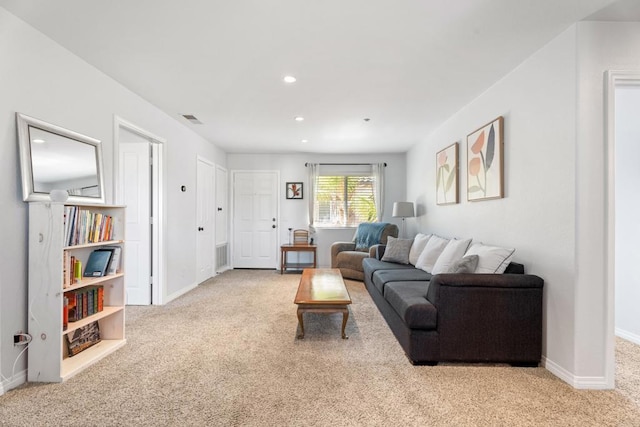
x,y
465,280
488,316
377,251
338,247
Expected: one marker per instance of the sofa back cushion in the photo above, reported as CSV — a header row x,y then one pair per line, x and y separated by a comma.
x,y
397,250
467,264
492,259
453,252
419,242
431,252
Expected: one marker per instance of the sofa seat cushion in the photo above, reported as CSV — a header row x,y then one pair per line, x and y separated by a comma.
x,y
381,277
351,259
371,265
409,300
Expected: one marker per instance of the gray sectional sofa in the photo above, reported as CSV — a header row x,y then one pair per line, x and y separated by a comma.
x,y
463,317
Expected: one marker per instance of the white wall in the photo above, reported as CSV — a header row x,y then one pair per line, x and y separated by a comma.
x,y
537,214
43,80
627,177
294,213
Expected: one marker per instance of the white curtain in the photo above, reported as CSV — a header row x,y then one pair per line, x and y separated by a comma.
x,y
377,170
314,169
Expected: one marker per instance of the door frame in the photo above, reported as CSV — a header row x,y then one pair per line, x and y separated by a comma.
x,y
231,218
613,79
158,207
202,159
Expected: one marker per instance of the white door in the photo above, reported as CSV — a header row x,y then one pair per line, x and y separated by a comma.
x,y
205,219
136,195
221,205
255,204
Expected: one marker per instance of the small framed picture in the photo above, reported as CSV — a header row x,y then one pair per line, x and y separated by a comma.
x,y
294,190
447,175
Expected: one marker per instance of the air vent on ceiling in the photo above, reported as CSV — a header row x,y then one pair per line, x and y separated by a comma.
x,y
193,119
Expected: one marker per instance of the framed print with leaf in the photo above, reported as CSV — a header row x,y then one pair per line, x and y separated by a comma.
x,y
485,166
294,190
447,175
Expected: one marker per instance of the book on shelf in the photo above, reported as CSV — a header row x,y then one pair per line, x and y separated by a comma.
x,y
98,263
84,302
83,338
81,226
114,262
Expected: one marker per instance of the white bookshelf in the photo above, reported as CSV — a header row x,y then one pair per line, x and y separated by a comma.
x,y
48,359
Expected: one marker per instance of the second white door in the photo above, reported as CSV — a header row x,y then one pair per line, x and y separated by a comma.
x,y
205,219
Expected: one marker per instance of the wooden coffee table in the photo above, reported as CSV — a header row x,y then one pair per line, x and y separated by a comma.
x,y
322,290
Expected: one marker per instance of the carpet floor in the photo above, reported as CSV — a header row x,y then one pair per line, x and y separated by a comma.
x,y
226,354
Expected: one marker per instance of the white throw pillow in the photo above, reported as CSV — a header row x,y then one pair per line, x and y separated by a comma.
x,y
492,259
453,252
397,250
431,252
419,242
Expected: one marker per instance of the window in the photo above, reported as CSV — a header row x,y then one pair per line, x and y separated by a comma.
x,y
344,201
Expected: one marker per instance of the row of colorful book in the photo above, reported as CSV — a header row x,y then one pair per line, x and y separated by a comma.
x,y
83,226
83,302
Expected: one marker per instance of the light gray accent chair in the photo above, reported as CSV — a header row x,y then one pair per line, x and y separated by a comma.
x,y
349,260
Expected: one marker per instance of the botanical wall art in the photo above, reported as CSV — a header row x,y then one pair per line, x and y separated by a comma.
x,y
485,162
447,175
294,190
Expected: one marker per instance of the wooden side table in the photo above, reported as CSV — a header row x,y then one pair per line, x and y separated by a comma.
x,y
304,247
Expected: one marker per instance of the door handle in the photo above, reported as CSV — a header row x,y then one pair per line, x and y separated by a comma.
x,y
273,219
273,226
200,229
219,209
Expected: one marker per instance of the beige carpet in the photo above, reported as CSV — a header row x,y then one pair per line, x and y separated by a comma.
x,y
226,354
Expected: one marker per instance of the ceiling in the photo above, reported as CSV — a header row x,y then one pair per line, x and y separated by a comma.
x,y
406,65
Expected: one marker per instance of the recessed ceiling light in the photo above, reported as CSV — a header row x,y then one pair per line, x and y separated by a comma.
x,y
289,79
304,141
39,141
298,118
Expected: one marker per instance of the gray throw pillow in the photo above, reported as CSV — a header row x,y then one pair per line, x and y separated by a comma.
x,y
397,250
467,264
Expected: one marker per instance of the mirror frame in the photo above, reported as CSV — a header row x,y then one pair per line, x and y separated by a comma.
x,y
29,194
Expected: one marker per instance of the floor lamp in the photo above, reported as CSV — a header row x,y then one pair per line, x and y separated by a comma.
x,y
403,210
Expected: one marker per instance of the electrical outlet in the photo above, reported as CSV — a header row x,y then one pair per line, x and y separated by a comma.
x,y
21,338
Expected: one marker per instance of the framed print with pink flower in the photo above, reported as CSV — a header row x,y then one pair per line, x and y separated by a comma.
x,y
485,162
447,175
294,190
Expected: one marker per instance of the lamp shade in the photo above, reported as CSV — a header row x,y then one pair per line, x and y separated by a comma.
x,y
403,209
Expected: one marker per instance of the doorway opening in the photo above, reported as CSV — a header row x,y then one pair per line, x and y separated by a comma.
x,y
622,145
138,174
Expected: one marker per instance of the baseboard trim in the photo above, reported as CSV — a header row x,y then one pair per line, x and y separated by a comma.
x,y
628,336
180,292
17,380
583,383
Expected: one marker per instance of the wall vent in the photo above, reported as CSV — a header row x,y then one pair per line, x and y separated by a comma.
x,y
193,119
222,257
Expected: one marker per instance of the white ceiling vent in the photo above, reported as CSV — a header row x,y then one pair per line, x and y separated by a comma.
x,y
193,119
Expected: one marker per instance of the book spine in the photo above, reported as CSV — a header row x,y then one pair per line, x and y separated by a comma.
x,y
100,298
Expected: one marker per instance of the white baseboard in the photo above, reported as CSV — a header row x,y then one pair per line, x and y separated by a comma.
x,y
180,292
223,269
13,382
587,383
628,336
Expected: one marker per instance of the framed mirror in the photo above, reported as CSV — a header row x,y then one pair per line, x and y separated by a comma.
x,y
54,158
